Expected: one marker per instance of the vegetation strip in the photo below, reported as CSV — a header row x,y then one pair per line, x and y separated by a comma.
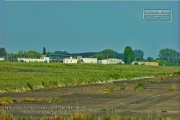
x,y
11,80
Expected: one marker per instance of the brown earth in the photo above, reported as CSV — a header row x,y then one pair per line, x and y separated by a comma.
x,y
117,98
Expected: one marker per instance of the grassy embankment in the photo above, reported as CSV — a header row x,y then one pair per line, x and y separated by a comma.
x,y
20,77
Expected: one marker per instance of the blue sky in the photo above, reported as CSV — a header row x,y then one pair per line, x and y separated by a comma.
x,y
86,26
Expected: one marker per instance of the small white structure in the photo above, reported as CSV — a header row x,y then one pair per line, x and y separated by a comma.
x,y
138,62
110,61
2,59
45,59
88,60
69,60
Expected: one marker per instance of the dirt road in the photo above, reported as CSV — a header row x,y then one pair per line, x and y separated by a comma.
x,y
117,98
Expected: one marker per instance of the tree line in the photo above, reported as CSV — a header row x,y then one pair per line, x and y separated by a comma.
x,y
166,56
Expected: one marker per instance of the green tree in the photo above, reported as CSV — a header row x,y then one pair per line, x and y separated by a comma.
x,y
48,53
3,52
99,56
105,54
108,53
150,59
44,51
170,55
128,55
20,54
138,55
33,54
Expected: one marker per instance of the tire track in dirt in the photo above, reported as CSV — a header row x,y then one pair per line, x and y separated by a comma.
x,y
139,105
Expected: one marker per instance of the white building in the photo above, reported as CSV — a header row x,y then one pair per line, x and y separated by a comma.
x,y
69,60
88,60
110,61
45,59
2,59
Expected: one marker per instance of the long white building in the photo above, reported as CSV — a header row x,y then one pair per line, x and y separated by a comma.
x,y
88,60
110,61
45,59
69,60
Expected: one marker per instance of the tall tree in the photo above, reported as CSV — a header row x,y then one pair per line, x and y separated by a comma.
x,y
138,55
109,53
44,51
128,55
170,55
3,52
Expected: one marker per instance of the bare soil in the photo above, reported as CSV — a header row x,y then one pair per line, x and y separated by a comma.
x,y
117,98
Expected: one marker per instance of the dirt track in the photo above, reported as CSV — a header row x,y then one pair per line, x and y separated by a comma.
x,y
156,100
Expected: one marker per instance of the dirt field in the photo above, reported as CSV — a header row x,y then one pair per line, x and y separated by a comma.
x,y
117,98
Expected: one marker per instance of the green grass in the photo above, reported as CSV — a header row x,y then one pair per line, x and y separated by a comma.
x,y
20,77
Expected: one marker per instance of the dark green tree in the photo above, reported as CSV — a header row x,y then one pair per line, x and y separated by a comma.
x,y
169,55
3,52
105,54
138,55
128,55
21,54
108,53
150,59
99,56
44,51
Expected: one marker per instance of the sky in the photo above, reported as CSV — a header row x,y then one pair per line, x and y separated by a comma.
x,y
87,26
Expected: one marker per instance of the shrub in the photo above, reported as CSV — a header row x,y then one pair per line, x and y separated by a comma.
x,y
173,88
122,87
6,100
139,86
136,63
108,89
44,84
55,100
114,75
30,86
53,83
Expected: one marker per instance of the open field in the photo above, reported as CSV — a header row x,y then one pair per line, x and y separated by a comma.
x,y
20,77
39,89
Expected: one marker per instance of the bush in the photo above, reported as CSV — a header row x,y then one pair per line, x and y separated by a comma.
x,y
6,100
139,86
122,87
173,88
55,100
30,86
114,75
136,63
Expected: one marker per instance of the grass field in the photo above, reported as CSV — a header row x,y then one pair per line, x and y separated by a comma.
x,y
20,77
